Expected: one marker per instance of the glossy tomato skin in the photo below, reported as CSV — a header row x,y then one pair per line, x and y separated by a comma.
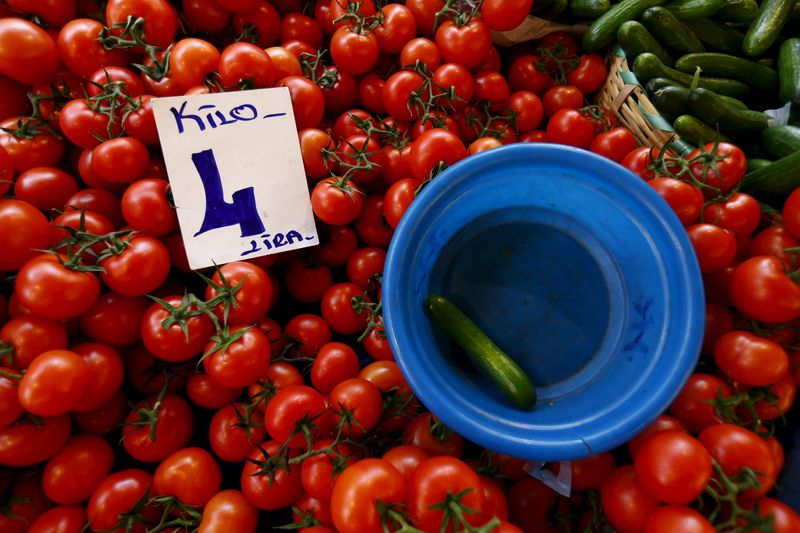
x,y
106,374
50,289
229,510
173,428
673,466
161,19
72,474
355,492
26,444
626,504
750,359
30,55
735,447
268,492
761,289
66,518
170,343
190,474
240,363
252,299
54,383
670,518
30,336
431,482
115,496
26,230
139,269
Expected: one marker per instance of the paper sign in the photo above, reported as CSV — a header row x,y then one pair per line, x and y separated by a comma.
x,y
236,173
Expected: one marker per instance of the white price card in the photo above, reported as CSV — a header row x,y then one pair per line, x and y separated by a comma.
x,y
236,174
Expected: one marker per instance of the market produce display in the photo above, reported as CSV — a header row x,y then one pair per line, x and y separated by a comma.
x,y
137,395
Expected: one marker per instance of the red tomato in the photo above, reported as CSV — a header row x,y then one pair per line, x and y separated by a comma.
x,y
45,188
784,518
663,422
734,447
28,54
160,18
336,203
245,292
117,495
344,308
269,490
207,393
673,466
431,435
138,268
54,383
436,480
714,246
468,45
171,343
614,144
106,373
226,511
434,149
694,404
29,336
151,437
308,102
27,444
740,214
26,231
62,518
334,363
590,74
233,432
238,357
190,474
358,489
569,126
290,405
626,504
397,27
749,359
562,97
72,474
114,319
246,65
761,288
29,144
671,518
685,199
731,166
357,405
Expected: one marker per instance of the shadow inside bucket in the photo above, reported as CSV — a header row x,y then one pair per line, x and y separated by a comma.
x,y
534,289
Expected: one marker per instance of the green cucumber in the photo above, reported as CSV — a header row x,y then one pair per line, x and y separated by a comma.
x,y
634,38
647,66
515,385
670,31
780,178
717,112
754,163
603,30
694,131
716,36
781,141
691,9
659,83
765,28
789,71
671,101
738,11
588,9
754,74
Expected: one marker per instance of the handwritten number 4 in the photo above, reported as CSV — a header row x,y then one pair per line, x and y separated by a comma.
x,y
219,213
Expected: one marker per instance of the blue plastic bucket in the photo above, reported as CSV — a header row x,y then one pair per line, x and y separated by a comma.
x,y
571,264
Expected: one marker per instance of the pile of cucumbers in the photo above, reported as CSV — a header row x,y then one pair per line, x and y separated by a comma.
x,y
712,67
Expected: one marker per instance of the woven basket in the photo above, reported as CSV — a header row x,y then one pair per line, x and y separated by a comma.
x,y
625,97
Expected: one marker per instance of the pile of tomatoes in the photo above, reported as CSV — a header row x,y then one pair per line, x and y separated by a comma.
x,y
136,395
